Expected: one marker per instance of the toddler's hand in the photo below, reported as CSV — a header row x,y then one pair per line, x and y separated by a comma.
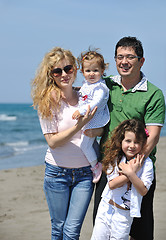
x,y
76,115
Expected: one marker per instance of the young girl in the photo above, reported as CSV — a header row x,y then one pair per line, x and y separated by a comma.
x,y
94,92
129,178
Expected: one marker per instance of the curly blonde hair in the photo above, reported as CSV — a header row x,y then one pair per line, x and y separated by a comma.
x,y
90,55
45,93
113,146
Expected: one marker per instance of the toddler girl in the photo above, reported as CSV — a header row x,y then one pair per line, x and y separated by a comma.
x,y
94,92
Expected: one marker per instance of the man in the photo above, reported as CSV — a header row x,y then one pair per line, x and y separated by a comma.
x,y
133,96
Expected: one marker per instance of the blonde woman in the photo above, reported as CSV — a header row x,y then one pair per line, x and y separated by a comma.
x,y
68,178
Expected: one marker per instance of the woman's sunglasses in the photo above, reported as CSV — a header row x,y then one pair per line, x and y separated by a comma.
x,y
58,71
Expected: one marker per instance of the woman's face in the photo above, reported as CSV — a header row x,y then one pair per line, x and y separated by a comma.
x,y
64,74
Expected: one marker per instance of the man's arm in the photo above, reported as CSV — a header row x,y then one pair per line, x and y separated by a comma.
x,y
152,140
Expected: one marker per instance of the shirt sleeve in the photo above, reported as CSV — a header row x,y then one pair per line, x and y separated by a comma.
x,y
147,173
111,175
155,110
48,126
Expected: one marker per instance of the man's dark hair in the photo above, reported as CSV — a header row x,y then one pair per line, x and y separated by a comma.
x,y
131,42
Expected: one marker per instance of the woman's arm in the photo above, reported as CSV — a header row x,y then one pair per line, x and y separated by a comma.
x,y
58,139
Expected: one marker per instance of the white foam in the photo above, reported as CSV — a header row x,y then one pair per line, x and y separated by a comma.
x,y
4,117
18,144
23,146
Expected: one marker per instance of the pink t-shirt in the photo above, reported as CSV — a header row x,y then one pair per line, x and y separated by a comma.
x,y
70,154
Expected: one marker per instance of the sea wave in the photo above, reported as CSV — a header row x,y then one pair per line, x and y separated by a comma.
x,y
15,144
20,150
17,148
6,152
5,117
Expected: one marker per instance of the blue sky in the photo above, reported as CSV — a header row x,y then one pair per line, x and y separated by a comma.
x,y
31,28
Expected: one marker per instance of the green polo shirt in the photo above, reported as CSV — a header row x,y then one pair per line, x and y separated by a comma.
x,y
144,102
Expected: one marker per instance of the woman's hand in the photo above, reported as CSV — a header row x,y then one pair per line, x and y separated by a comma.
x,y
87,117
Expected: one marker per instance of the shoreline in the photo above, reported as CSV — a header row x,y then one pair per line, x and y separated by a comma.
x,y
24,212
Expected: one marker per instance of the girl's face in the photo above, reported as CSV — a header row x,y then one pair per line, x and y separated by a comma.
x,y
130,145
92,71
64,74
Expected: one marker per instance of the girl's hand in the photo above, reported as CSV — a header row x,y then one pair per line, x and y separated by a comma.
x,y
132,166
128,185
137,162
126,168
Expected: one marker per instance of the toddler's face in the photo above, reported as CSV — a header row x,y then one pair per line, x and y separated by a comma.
x,y
92,71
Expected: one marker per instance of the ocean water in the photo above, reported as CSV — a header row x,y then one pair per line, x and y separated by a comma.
x,y
21,140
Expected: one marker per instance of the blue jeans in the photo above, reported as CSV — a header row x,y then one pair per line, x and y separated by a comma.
x,y
68,193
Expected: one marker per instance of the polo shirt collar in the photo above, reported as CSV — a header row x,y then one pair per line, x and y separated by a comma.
x,y
142,85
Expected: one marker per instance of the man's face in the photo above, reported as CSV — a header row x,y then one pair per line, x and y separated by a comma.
x,y
127,62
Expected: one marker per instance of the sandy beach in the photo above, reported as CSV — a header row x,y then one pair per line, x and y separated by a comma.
x,y
24,213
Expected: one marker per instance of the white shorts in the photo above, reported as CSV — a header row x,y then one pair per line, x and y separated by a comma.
x,y
111,223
